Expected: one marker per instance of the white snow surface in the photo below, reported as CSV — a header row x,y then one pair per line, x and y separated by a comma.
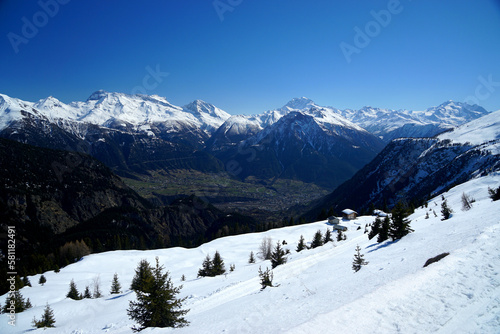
x,y
476,132
317,291
102,108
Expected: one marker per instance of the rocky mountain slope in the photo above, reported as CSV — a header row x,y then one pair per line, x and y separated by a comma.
x,y
412,169
54,197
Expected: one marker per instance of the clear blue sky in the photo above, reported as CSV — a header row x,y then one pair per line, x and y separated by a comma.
x,y
255,55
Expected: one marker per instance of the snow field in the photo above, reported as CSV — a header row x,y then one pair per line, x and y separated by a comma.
x,y
318,290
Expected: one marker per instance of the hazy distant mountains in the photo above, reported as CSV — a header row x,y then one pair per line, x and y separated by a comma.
x,y
300,141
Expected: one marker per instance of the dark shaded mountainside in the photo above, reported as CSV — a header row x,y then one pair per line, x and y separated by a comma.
x,y
55,198
411,170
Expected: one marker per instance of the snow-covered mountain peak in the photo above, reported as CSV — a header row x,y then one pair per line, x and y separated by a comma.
x,y
198,107
298,103
97,95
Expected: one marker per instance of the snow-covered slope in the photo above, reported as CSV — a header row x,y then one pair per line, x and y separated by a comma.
x,y
317,291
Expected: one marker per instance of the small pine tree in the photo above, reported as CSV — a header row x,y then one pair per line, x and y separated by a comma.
x,y
278,256
328,236
446,210
15,302
206,267
48,319
358,260
115,285
317,239
400,223
383,233
73,291
86,293
301,245
375,228
340,236
157,305
494,193
251,259
217,265
26,281
42,280
266,278
143,272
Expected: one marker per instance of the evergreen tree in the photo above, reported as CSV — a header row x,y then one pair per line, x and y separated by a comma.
x,y
15,302
340,235
206,267
266,278
301,245
47,320
278,256
376,226
328,236
383,233
73,291
217,265
26,281
115,285
317,239
494,193
87,294
358,260
251,259
157,305
28,304
445,210
400,223
42,280
142,273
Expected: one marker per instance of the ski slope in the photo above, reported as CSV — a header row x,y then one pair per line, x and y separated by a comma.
x,y
318,291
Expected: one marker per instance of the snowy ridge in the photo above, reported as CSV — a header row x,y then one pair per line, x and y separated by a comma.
x,y
318,291
106,109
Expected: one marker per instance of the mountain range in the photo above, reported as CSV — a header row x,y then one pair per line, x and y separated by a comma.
x,y
414,169
139,135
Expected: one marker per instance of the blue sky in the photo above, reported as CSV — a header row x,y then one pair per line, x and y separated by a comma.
x,y
248,56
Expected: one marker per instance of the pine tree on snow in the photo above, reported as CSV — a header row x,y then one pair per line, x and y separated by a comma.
x,y
73,291
375,228
445,210
157,305
358,260
115,285
400,223
328,236
218,267
251,259
143,273
206,267
317,239
278,256
47,320
301,245
383,233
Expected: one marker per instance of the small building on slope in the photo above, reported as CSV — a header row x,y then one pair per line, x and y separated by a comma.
x,y
349,214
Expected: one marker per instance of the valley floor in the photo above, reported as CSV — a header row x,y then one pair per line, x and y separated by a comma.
x,y
318,291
